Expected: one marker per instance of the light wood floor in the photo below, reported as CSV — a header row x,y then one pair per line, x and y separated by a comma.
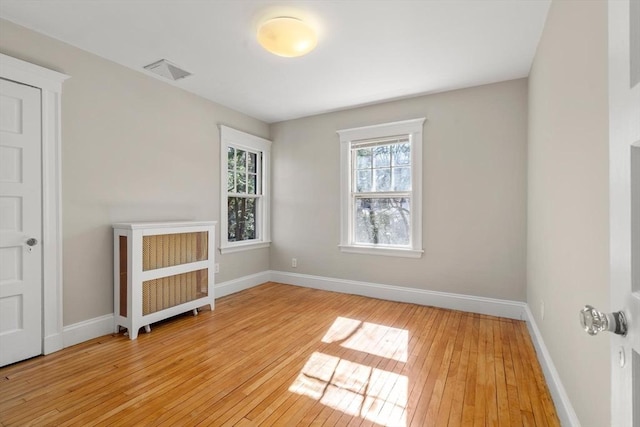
x,y
279,355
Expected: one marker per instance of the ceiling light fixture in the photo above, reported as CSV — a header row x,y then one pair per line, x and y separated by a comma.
x,y
287,36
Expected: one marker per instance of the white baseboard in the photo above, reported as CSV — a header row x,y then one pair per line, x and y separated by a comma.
x,y
473,304
87,330
563,405
240,284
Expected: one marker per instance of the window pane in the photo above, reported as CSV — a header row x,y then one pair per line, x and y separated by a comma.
x,y
241,160
401,179
242,219
383,179
363,158
401,154
384,221
230,183
230,154
231,211
252,162
363,181
251,185
241,182
381,157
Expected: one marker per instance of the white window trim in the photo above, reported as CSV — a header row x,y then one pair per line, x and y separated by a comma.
x,y
413,128
236,138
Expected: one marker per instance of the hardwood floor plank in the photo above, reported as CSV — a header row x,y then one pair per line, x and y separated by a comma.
x,y
519,370
503,416
534,374
491,411
457,385
468,408
480,411
515,417
279,355
419,394
440,380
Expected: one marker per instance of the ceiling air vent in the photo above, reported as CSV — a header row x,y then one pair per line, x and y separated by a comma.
x,y
167,70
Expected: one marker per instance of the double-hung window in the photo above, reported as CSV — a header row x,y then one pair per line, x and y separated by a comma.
x,y
245,195
381,189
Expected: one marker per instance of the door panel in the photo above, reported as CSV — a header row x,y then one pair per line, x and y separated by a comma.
x,y
624,171
20,220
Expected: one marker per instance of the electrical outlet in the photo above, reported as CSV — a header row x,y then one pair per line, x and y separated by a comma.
x,y
294,262
216,268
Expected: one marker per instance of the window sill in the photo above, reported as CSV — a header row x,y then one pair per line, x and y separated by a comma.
x,y
243,247
384,251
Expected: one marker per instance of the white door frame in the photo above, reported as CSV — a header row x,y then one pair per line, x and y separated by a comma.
x,y
50,84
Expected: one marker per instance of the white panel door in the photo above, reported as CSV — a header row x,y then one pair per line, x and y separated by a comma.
x,y
624,125
20,223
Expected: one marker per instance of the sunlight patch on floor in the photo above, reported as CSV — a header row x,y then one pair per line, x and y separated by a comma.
x,y
379,340
353,388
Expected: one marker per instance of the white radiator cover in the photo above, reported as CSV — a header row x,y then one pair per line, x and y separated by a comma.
x,y
161,269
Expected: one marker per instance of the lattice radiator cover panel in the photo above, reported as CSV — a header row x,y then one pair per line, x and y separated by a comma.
x,y
167,250
165,292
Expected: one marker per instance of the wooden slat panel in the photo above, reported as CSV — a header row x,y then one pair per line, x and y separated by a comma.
x,y
165,292
241,365
167,250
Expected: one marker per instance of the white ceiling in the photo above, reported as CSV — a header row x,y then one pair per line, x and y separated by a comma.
x,y
368,50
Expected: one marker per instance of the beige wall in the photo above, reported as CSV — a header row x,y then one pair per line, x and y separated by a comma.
x,y
568,234
134,148
474,194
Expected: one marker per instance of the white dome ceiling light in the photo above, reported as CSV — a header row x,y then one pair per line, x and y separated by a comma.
x,y
287,36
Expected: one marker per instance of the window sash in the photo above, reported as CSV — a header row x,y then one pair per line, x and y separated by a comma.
x,y
376,196
256,220
235,171
394,173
